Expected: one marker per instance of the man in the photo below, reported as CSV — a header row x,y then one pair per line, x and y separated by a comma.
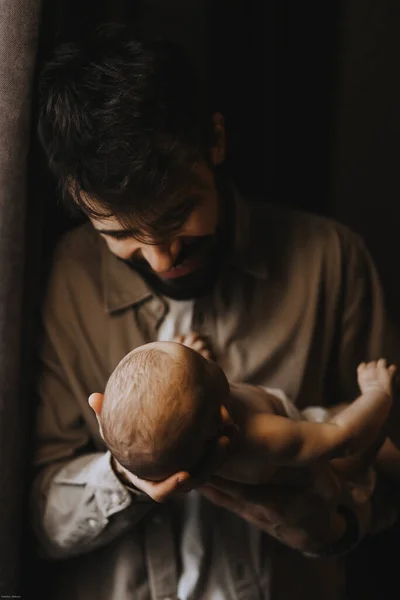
x,y
287,300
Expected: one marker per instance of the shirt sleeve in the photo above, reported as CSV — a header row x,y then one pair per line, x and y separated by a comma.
x,y
365,334
78,503
364,331
81,505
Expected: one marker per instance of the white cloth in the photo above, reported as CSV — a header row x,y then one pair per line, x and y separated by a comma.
x,y
202,576
178,320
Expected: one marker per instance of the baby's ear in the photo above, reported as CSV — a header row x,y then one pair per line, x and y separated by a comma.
x,y
96,402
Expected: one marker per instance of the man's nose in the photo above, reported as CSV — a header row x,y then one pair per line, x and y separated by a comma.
x,y
161,258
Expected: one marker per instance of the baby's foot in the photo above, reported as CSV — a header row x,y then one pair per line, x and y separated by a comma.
x,y
195,342
376,375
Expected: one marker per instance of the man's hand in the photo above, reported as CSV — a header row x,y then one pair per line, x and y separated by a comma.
x,y
181,481
178,483
158,491
301,514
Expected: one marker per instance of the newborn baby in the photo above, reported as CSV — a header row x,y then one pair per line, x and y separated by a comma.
x,y
166,405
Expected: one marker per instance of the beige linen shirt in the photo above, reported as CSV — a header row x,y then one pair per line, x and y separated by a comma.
x,y
297,306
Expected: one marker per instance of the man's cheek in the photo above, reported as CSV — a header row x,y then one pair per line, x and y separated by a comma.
x,y
200,227
121,250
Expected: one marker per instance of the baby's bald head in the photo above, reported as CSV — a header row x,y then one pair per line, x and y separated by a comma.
x,y
161,407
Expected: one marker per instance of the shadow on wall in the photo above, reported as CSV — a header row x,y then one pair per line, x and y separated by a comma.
x,y
366,185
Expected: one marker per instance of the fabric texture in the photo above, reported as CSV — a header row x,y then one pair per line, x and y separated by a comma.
x,y
18,40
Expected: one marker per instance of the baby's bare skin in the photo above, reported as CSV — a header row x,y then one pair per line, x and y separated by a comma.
x,y
195,342
268,439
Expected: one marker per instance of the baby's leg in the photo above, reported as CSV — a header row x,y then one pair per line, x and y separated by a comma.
x,y
195,342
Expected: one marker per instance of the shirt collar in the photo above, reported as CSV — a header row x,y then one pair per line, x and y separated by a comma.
x,y
124,287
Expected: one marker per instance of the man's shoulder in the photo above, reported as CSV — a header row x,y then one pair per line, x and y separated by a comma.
x,y
267,215
79,246
75,275
286,227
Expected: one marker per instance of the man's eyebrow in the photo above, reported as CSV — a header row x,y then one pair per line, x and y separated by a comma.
x,y
119,232
179,212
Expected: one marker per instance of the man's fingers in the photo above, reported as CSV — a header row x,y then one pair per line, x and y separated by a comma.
x,y
241,493
160,490
274,498
221,499
238,507
229,488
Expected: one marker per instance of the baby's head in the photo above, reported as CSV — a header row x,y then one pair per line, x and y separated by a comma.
x,y
162,409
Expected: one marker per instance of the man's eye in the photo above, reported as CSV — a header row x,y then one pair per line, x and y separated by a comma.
x,y
123,236
117,236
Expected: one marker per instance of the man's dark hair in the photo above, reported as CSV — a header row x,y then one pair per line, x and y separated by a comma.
x,y
122,122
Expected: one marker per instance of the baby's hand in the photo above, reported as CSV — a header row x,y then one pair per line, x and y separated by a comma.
x,y
376,375
195,342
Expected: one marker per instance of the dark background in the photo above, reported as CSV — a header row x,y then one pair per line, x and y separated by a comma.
x,y
311,99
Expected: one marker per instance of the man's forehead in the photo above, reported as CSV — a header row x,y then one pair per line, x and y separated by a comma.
x,y
139,225
170,208
197,182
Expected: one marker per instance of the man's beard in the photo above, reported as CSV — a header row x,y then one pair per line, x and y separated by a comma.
x,y
195,284
212,249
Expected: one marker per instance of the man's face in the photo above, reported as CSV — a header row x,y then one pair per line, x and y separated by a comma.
x,y
184,265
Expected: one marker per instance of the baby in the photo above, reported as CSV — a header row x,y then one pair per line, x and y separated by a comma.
x,y
166,405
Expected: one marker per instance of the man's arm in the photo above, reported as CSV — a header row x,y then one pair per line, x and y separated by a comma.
x,y
325,514
78,501
366,335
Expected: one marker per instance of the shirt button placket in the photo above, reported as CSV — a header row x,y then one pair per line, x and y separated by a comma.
x,y
160,557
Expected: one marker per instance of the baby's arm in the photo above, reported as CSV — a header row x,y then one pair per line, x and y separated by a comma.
x,y
352,430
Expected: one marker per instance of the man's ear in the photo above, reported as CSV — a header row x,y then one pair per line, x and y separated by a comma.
x,y
218,149
96,402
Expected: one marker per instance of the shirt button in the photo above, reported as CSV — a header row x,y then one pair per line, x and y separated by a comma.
x,y
92,523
